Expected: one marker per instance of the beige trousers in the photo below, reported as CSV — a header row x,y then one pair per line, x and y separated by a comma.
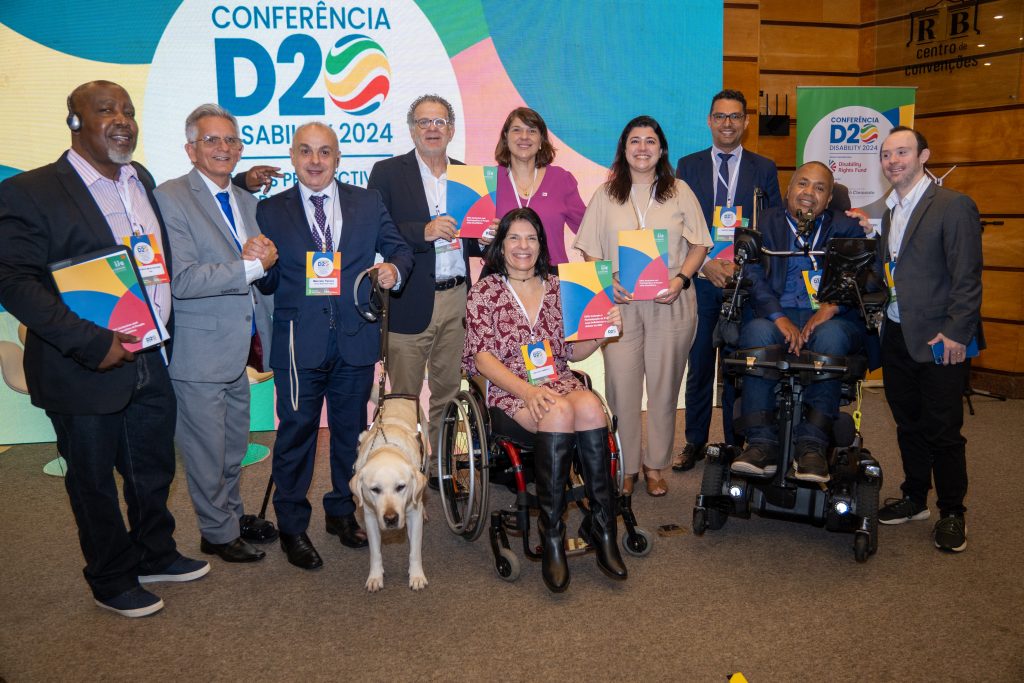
x,y
655,343
438,350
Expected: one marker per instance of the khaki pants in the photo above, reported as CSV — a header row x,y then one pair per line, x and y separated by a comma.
x,y
438,350
655,343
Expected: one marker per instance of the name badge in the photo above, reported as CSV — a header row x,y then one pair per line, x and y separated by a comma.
x,y
323,273
890,273
148,259
725,222
443,246
812,279
540,363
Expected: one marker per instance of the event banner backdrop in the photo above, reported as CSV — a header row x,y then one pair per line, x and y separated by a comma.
x,y
844,128
587,67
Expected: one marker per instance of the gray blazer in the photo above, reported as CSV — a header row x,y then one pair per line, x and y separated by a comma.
x,y
212,303
938,271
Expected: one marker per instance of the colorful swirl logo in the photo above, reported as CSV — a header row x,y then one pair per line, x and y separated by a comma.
x,y
357,74
869,133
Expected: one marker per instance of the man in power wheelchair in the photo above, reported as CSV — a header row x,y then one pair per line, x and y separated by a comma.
x,y
514,339
786,314
797,357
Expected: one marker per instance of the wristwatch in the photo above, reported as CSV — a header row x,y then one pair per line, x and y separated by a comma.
x,y
686,280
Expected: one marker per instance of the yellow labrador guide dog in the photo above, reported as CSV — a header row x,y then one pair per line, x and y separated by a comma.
x,y
388,485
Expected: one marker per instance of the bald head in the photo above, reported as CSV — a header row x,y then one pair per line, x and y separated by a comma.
x,y
810,189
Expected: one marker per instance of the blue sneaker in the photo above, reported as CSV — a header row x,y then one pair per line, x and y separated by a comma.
x,y
137,602
182,569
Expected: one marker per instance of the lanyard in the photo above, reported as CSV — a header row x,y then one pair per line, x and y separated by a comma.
x,y
523,308
800,242
642,217
516,189
124,194
730,185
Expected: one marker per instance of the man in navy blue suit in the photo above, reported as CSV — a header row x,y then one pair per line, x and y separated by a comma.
x,y
787,316
321,346
724,175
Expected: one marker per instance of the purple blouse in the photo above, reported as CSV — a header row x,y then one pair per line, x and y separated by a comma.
x,y
557,201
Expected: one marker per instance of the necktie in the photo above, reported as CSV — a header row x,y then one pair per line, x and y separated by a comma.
x,y
225,203
722,188
324,238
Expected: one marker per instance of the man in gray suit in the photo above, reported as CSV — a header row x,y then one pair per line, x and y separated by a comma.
x,y
931,240
223,324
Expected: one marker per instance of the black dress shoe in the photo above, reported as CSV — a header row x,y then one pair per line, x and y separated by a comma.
x,y
691,454
237,550
300,551
347,529
256,529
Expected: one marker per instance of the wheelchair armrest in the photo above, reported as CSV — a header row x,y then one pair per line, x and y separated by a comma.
x,y
584,378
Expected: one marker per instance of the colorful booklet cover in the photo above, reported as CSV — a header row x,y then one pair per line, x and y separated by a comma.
x,y
472,194
104,287
723,230
587,296
643,262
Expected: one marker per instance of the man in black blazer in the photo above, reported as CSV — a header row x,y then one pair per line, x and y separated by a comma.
x,y
931,240
321,346
110,408
428,328
786,315
723,175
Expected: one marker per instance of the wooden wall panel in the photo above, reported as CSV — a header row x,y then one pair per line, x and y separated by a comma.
x,y
741,35
745,77
783,84
781,150
831,11
810,49
970,137
996,189
1003,245
1005,350
1002,295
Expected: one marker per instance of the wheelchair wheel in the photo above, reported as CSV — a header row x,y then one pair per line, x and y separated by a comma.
x,y
463,466
507,565
637,544
700,521
860,546
867,507
711,485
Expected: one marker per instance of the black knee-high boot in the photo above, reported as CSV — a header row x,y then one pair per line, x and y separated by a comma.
x,y
597,479
551,469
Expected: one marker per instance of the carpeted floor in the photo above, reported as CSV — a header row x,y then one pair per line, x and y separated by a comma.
x,y
776,601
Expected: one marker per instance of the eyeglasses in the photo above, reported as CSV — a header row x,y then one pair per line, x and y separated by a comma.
x,y
426,123
735,117
215,140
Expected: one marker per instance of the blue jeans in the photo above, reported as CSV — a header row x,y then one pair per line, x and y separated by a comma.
x,y
837,337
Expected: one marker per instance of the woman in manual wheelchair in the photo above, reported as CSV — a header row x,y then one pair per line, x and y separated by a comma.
x,y
515,313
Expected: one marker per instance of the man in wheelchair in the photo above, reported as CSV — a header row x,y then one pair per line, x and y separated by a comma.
x,y
514,338
786,314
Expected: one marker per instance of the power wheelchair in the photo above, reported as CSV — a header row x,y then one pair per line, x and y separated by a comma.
x,y
849,501
478,446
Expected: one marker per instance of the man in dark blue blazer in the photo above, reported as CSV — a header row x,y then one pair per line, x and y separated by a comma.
x,y
428,317
786,315
725,174
321,346
110,408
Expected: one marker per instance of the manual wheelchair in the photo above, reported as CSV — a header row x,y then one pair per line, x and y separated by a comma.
x,y
849,501
478,446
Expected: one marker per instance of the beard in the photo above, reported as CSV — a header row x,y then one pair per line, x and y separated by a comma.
x,y
120,157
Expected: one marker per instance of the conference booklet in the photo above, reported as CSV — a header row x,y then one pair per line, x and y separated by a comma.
x,y
643,262
587,296
471,198
105,288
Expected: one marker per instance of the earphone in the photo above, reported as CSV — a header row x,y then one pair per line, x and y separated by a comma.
x,y
74,123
